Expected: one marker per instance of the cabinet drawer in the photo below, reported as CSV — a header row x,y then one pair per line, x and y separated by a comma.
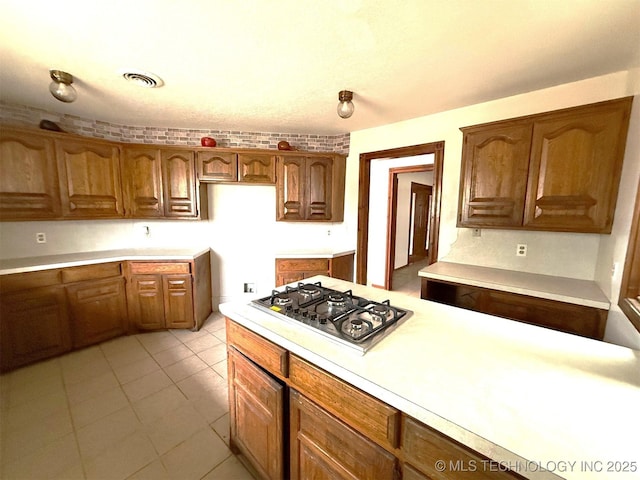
x,y
91,272
323,447
24,281
308,264
266,354
375,419
141,268
423,447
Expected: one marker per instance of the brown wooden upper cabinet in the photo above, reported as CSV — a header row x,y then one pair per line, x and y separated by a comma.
x,y
179,183
557,171
89,173
142,182
256,168
310,188
161,183
29,181
236,167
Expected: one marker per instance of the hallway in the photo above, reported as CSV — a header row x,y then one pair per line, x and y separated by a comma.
x,y
406,279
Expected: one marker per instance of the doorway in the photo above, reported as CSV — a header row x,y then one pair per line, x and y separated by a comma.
x,y
401,223
436,148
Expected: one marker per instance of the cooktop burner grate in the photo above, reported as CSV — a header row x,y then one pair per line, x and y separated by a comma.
x,y
340,316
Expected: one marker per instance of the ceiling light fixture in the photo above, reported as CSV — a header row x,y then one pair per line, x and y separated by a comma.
x,y
345,107
61,86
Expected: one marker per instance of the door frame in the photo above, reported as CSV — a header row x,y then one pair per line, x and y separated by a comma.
x,y
392,217
437,148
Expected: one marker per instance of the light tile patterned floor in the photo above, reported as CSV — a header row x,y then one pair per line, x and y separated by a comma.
x,y
148,406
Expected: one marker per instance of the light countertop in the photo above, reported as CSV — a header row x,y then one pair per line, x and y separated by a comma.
x,y
30,264
527,396
314,253
568,290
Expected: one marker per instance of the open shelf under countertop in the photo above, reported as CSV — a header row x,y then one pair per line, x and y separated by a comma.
x,y
562,289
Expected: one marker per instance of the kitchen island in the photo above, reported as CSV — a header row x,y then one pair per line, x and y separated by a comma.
x,y
543,403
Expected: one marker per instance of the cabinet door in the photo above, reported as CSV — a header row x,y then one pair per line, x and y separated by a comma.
x,y
89,179
146,302
34,325
290,188
142,182
576,160
495,161
322,447
29,182
179,183
319,175
256,168
178,301
98,310
217,166
256,415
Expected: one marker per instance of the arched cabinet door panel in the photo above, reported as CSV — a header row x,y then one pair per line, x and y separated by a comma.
x,y
575,169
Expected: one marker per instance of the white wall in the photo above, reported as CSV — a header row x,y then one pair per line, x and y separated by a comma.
x,y
562,254
242,234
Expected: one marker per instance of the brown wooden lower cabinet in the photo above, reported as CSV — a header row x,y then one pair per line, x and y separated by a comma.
x,y
49,312
328,437
323,447
169,294
289,270
34,324
566,317
256,405
98,310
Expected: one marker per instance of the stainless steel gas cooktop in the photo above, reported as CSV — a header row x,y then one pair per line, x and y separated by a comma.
x,y
341,317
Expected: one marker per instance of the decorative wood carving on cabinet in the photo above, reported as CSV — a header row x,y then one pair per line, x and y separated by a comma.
x,y
89,173
310,188
53,176
29,186
179,183
557,171
215,166
142,182
169,294
256,168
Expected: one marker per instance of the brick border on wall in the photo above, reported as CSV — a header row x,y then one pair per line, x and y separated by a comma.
x,y
24,116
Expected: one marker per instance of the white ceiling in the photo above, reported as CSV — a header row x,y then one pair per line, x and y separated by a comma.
x,y
277,65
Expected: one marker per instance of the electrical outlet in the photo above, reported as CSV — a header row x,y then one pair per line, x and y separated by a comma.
x,y
476,232
249,288
521,250
41,238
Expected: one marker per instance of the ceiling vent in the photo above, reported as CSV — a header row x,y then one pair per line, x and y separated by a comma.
x,y
143,79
